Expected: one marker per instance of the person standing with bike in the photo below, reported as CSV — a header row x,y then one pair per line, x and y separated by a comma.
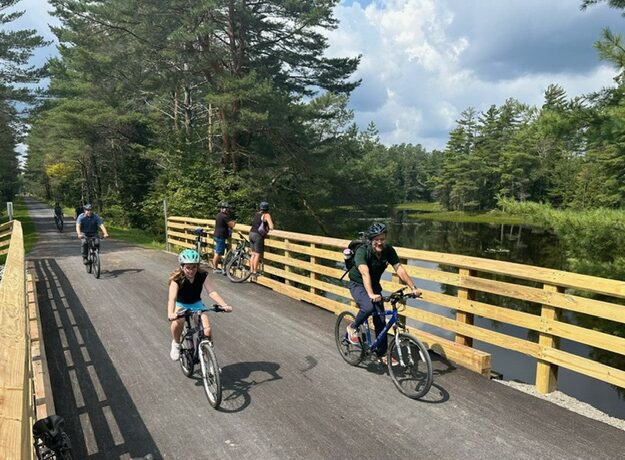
x,y
262,224
223,228
370,262
185,293
87,225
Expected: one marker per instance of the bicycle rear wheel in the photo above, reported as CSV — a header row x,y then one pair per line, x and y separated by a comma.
x,y
186,353
59,223
351,353
413,375
238,269
95,262
210,373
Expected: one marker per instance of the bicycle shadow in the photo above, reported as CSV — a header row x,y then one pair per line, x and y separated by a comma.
x,y
237,381
115,273
440,366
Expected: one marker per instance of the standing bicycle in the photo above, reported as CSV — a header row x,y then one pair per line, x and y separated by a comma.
x,y
200,242
238,267
197,348
407,359
185,289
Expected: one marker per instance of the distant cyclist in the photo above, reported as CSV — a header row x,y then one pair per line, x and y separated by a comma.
x,y
370,262
58,210
87,225
78,210
185,292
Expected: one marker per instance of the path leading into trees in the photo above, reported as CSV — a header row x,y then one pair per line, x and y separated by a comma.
x,y
287,392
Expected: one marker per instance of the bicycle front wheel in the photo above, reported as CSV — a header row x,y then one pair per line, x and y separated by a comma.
x,y
210,373
95,261
89,263
413,374
351,353
238,269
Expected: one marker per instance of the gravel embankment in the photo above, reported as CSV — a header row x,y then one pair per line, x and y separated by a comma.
x,y
572,404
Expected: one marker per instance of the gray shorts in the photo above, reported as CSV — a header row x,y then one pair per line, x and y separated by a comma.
x,y
257,242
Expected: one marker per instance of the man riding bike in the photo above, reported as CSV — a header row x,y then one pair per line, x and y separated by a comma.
x,y
87,225
370,262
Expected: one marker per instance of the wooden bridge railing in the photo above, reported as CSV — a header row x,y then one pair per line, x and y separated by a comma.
x,y
548,304
23,394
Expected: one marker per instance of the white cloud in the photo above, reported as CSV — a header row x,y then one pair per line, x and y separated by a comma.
x,y
425,61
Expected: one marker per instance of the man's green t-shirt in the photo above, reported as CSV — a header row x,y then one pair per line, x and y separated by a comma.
x,y
365,255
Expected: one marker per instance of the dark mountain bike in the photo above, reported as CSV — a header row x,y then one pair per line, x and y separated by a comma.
x,y
195,348
58,221
93,255
238,264
49,439
200,242
408,361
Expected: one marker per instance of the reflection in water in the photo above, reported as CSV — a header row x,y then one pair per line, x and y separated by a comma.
x,y
512,243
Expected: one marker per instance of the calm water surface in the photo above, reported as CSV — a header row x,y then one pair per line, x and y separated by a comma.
x,y
513,243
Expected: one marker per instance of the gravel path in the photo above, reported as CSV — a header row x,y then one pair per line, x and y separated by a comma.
x,y
566,401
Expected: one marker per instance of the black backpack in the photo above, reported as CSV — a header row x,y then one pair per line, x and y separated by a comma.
x,y
350,251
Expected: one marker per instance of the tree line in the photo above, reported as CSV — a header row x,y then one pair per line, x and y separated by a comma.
x,y
228,99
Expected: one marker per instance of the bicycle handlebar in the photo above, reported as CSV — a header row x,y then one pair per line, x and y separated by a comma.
x,y
398,295
188,312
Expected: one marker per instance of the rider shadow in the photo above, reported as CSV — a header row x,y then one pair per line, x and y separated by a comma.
x,y
237,382
116,273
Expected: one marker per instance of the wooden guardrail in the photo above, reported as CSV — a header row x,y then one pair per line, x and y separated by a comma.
x,y
541,301
23,392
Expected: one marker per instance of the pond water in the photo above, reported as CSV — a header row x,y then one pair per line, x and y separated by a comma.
x,y
513,243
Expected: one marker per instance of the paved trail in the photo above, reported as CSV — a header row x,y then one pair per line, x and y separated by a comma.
x,y
287,392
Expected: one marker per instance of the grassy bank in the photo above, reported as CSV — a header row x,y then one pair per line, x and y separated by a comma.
x,y
20,212
135,236
433,211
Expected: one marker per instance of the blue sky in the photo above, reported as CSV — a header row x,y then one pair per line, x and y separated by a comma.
x,y
425,61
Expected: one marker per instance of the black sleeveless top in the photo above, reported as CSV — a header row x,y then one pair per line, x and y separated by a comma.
x,y
191,292
258,217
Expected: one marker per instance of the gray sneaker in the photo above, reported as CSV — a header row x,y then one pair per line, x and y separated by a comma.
x,y
218,271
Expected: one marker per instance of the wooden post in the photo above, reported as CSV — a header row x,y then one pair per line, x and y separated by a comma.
x,y
313,276
462,317
287,268
547,373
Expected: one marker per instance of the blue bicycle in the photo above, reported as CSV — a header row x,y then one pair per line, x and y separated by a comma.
x,y
408,361
195,348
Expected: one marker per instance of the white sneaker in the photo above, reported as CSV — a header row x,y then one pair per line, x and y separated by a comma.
x,y
174,354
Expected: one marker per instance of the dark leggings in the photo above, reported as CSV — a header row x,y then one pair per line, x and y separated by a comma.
x,y
366,307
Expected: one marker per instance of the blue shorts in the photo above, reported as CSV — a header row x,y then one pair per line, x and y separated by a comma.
x,y
197,306
220,245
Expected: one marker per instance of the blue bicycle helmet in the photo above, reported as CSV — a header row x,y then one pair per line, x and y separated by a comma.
x,y
224,204
88,207
189,256
263,206
375,230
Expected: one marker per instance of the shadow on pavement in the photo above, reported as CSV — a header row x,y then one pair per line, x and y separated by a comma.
x,y
100,417
236,383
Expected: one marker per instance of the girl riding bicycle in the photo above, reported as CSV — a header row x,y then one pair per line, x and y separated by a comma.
x,y
185,290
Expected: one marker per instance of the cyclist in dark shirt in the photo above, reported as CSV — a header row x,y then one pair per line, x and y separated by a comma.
x,y
185,292
223,227
87,225
370,262
58,210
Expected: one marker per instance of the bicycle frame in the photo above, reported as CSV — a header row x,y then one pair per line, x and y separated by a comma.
x,y
390,323
195,327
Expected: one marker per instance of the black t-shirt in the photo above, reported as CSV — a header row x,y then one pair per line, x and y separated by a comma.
x,y
191,292
221,225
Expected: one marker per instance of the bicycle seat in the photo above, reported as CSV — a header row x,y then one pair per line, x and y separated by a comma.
x,y
50,426
200,231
